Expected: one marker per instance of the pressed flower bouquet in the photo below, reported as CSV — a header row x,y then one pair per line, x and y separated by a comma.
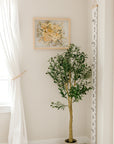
x,y
51,33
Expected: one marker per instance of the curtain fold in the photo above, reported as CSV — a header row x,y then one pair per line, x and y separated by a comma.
x,y
11,43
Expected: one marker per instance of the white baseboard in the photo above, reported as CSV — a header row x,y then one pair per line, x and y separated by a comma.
x,y
81,140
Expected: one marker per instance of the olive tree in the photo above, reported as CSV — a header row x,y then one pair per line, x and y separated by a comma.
x,y
71,72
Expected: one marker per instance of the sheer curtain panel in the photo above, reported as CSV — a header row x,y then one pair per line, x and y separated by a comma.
x,y
11,44
105,109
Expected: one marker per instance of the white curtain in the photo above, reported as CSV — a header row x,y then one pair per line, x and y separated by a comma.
x,y
11,43
105,110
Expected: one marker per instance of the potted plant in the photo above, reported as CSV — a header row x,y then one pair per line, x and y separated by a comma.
x,y
71,73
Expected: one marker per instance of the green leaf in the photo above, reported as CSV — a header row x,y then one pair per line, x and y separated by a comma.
x,y
58,105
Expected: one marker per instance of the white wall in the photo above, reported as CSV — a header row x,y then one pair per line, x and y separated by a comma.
x,y
42,121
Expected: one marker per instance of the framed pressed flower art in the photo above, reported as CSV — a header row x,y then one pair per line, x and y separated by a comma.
x,y
51,33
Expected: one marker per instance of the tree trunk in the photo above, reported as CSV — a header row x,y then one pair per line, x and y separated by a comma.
x,y
71,119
